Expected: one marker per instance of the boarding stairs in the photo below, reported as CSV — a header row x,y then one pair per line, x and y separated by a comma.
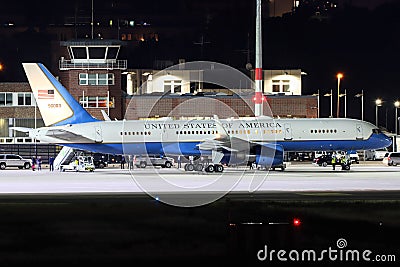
x,y
64,157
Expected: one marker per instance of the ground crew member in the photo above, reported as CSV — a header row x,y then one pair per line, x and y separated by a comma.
x,y
343,160
333,161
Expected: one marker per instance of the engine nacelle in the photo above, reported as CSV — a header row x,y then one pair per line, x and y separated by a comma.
x,y
269,155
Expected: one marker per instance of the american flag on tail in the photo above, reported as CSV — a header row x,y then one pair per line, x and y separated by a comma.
x,y
46,94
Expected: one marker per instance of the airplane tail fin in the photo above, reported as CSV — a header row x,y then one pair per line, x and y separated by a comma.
x,y
55,103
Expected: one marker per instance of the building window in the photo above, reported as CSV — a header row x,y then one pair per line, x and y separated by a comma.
x,y
83,79
16,99
280,86
6,99
96,79
96,102
175,86
285,85
24,99
275,86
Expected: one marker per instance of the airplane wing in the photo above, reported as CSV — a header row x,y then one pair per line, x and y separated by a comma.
x,y
232,144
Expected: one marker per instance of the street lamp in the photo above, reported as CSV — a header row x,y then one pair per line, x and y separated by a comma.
x,y
362,103
331,95
345,102
317,95
378,103
396,118
339,76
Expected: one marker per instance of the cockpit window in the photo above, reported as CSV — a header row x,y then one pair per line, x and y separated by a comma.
x,y
376,131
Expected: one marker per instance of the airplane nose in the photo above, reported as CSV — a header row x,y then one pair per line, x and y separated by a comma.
x,y
386,140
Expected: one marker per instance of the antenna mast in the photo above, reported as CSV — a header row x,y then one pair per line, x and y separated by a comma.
x,y
92,19
259,97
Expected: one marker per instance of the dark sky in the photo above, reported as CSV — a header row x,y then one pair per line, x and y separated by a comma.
x,y
361,42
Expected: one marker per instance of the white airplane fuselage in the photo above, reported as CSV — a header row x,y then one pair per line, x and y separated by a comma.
x,y
155,136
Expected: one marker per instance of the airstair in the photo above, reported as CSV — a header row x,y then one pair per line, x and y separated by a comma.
x,y
64,157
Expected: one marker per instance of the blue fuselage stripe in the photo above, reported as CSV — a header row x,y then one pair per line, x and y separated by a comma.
x,y
191,148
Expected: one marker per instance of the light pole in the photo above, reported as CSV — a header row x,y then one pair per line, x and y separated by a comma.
x,y
345,102
317,95
378,103
396,118
331,95
339,76
362,103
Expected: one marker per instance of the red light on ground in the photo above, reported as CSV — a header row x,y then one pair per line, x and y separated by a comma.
x,y
296,222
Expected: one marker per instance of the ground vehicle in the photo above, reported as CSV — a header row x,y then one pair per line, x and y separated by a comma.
x,y
353,155
13,160
319,153
326,160
100,163
164,162
377,154
80,163
323,160
101,160
391,159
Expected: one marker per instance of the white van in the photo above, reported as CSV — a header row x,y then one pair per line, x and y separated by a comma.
x,y
377,154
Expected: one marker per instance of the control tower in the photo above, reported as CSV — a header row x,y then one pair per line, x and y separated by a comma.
x,y
91,72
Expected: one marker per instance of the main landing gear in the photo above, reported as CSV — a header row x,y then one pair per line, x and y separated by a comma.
x,y
207,168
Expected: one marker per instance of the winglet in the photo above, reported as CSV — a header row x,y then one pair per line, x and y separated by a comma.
x,y
57,106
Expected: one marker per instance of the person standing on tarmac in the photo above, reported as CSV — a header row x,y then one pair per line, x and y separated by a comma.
x,y
333,161
343,161
51,163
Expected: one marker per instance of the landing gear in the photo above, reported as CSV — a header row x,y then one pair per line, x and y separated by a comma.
x,y
210,168
199,167
214,168
189,167
219,168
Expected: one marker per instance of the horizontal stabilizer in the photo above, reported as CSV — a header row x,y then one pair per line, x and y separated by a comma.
x,y
67,136
22,129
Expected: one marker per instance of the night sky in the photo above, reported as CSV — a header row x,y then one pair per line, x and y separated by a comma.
x,y
362,41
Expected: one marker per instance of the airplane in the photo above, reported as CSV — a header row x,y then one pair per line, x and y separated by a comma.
x,y
260,139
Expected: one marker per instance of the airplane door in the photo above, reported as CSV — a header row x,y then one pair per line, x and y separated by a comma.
x,y
98,138
288,132
359,131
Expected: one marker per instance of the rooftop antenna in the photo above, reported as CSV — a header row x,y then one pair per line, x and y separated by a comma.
x,y
258,97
